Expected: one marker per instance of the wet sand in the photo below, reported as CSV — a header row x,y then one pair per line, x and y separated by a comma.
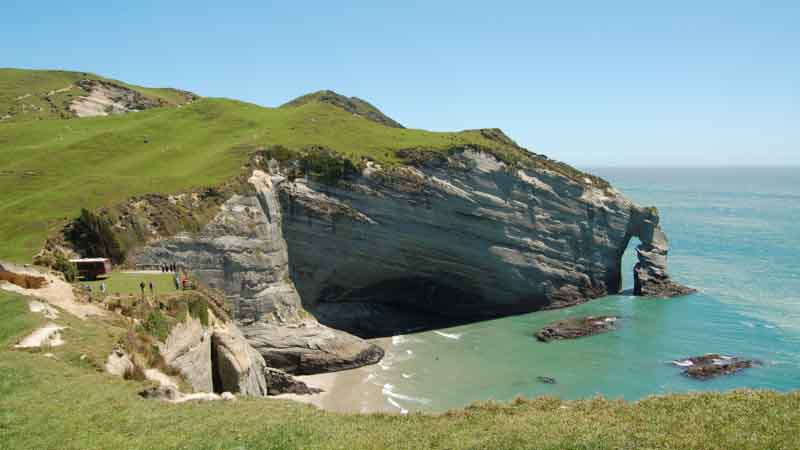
x,y
349,390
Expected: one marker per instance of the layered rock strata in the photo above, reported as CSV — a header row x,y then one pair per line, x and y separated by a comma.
x,y
242,252
459,236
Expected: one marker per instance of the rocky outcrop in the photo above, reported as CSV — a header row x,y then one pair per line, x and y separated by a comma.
x,y
104,98
459,235
307,347
280,382
188,349
464,235
713,365
650,274
576,327
237,367
242,252
215,358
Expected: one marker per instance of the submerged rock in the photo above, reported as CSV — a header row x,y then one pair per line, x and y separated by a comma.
x,y
576,327
713,365
546,380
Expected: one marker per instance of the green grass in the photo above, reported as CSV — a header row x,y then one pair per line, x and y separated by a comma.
x,y
52,168
66,403
128,283
24,93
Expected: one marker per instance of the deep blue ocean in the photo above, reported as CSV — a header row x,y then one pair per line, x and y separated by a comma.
x,y
735,236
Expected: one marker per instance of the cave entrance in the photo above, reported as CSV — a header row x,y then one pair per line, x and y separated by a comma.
x,y
397,306
216,369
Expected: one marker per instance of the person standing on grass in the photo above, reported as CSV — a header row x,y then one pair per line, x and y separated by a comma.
x,y
151,287
102,287
141,286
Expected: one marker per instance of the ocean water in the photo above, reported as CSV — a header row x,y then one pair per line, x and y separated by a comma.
x,y
735,236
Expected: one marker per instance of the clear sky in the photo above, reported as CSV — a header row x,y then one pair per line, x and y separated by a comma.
x,y
590,83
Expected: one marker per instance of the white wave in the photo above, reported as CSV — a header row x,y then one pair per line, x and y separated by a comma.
x,y
386,362
397,405
683,363
409,352
369,378
748,324
398,340
407,375
449,335
388,391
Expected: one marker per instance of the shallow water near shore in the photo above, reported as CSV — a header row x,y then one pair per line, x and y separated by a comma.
x,y
735,235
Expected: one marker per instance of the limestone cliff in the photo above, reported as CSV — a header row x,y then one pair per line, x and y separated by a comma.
x,y
466,236
462,236
242,252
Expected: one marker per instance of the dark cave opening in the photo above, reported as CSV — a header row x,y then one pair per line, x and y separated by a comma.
x,y
401,306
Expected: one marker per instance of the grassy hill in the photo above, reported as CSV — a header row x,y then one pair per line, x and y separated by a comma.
x,y
65,402
51,168
44,94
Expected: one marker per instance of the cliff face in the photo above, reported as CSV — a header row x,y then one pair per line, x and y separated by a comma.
x,y
462,237
459,237
242,252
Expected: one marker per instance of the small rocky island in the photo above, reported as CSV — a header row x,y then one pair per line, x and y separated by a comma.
x,y
576,327
713,365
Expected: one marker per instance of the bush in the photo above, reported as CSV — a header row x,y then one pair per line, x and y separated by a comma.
x,y
156,325
93,234
63,265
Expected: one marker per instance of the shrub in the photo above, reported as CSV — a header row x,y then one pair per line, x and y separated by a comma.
x,y
63,265
156,325
93,234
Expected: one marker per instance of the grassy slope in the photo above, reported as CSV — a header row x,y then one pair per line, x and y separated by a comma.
x,y
51,168
65,403
30,87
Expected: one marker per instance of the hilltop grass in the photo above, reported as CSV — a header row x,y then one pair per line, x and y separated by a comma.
x,y
30,88
52,168
65,402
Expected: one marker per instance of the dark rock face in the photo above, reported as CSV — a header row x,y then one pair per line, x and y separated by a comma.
x,y
576,327
650,274
280,382
713,365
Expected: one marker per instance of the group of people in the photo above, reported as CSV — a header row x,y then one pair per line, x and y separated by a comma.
x,y
169,267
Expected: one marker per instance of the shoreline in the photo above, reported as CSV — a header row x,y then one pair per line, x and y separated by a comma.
x,y
348,391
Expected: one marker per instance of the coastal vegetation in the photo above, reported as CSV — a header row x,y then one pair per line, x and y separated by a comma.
x,y
54,168
39,409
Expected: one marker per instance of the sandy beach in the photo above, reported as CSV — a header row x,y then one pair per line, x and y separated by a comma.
x,y
348,390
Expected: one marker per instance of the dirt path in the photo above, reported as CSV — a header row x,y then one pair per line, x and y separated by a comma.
x,y
57,293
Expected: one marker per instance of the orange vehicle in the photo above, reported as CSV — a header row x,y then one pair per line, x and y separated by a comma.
x,y
91,268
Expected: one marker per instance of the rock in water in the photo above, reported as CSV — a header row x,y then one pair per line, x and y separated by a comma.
x,y
650,273
576,327
713,365
546,380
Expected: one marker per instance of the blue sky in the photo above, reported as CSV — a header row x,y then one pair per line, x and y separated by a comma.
x,y
590,83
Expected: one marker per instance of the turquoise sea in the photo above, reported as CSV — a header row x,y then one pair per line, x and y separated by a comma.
x,y
735,236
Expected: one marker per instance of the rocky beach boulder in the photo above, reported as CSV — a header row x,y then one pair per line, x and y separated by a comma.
x,y
713,365
576,327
